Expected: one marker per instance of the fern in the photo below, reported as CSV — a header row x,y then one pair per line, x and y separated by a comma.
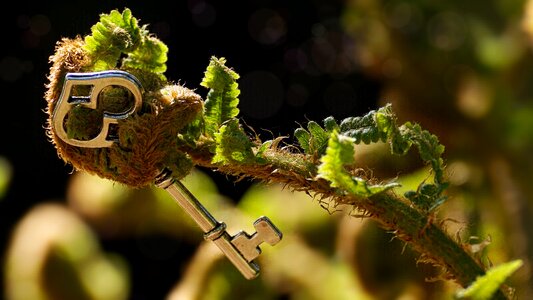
x,y
314,140
340,152
232,144
222,99
115,34
365,129
428,146
428,196
150,56
119,33
380,126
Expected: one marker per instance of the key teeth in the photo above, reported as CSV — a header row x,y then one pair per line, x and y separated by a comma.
x,y
242,241
264,223
248,245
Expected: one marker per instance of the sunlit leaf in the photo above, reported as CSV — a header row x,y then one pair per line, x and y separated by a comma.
x,y
232,144
222,99
486,286
339,153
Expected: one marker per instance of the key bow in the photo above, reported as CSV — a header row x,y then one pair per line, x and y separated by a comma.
x,y
98,81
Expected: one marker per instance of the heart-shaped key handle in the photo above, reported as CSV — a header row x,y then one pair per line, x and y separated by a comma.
x,y
96,81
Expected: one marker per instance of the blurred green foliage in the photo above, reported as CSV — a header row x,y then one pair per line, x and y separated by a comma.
x,y
464,71
5,176
53,254
322,255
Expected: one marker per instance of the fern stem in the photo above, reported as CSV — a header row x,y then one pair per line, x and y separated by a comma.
x,y
391,211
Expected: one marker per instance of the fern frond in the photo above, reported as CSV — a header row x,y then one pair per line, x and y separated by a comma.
x,y
116,33
232,144
151,55
339,153
380,125
222,99
119,33
373,127
314,140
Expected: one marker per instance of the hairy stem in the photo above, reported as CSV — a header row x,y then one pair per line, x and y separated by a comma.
x,y
392,212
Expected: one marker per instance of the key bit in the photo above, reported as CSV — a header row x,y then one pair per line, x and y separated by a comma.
x,y
240,249
248,245
214,230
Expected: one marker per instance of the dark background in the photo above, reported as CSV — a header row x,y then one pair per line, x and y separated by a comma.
x,y
288,75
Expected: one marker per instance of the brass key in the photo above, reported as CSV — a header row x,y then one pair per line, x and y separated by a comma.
x,y
240,249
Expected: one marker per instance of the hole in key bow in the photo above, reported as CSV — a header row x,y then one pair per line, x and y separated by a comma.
x,y
83,123
91,104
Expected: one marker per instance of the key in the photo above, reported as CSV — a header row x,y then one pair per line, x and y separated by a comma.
x,y
241,249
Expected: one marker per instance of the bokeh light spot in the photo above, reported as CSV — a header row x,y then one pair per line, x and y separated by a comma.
x,y
261,94
319,30
297,95
295,59
404,16
392,68
400,14
340,98
203,13
40,25
6,172
267,26
323,54
474,97
447,31
161,30
11,68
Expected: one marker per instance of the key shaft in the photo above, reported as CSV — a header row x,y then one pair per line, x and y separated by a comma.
x,y
213,230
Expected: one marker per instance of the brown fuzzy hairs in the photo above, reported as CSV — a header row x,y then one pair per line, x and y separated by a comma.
x,y
147,140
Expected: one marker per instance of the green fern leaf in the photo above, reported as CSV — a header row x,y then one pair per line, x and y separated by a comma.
x,y
260,152
339,153
373,127
150,56
380,125
487,285
314,140
232,144
429,148
115,34
190,134
428,197
303,137
318,140
330,124
222,99
118,34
